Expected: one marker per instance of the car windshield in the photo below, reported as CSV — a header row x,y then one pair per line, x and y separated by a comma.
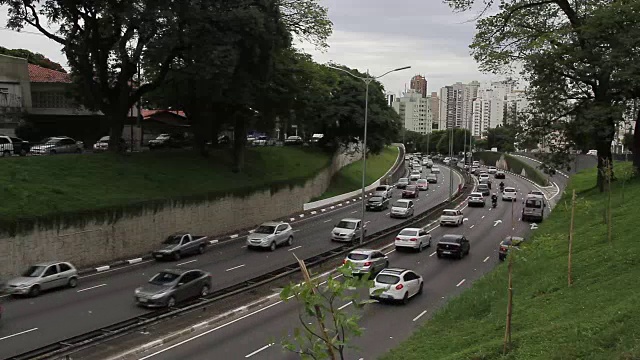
x,y
387,279
402,204
403,180
381,188
163,278
375,199
51,141
357,256
533,203
34,271
346,225
163,137
506,242
411,187
265,229
509,190
483,187
422,181
449,213
173,240
431,176
104,139
476,195
408,232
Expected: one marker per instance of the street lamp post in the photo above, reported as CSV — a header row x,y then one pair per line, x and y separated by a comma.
x,y
367,80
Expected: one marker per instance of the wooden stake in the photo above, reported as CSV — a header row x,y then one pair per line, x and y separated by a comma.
x,y
573,214
318,310
507,332
609,212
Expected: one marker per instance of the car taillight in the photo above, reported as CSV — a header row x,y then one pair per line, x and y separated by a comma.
x,y
398,238
414,239
399,287
503,248
368,263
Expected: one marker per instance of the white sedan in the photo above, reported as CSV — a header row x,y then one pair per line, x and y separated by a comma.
x,y
509,194
435,170
413,238
396,284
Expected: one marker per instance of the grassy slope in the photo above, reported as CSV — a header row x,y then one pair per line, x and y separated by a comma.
x,y
37,186
349,178
597,318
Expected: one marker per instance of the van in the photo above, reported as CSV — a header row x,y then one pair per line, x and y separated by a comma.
x,y
534,206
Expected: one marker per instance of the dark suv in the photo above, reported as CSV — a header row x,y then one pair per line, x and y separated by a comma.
x,y
453,245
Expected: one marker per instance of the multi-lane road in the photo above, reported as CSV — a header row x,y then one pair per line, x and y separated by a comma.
x,y
105,298
255,335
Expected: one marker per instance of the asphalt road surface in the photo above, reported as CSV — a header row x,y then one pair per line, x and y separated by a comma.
x,y
256,335
106,298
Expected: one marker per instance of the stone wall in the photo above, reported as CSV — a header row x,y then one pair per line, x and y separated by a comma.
x,y
100,243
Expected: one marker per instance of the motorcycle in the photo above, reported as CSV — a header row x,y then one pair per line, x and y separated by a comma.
x,y
494,203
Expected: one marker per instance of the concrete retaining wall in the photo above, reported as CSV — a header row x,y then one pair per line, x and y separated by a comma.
x,y
98,243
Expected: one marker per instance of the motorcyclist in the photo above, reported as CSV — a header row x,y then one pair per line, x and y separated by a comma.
x,y
494,198
501,186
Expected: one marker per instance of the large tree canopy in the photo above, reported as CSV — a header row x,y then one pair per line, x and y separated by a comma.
x,y
33,58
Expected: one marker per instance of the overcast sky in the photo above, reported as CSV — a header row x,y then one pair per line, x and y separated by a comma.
x,y
378,35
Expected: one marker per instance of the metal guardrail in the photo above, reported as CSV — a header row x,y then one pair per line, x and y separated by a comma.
x,y
62,349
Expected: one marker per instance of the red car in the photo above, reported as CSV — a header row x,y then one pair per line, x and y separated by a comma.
x,y
411,191
422,184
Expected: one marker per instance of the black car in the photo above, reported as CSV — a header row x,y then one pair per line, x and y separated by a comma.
x,y
453,245
402,183
506,244
378,203
500,175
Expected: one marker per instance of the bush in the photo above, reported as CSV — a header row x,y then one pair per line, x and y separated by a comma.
x,y
514,165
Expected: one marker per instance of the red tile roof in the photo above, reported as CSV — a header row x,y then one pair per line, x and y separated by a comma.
x,y
38,74
148,113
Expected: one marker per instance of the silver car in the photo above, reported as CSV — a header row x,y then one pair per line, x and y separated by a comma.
x,y
270,235
367,261
402,208
43,276
347,230
171,286
58,145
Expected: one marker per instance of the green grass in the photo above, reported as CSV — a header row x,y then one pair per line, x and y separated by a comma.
x,y
514,165
76,185
596,318
349,178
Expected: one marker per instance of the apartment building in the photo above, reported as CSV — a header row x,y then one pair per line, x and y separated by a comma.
x,y
415,111
419,84
497,103
455,108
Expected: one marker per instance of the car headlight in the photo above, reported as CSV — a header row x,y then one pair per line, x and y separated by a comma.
x,y
158,296
137,292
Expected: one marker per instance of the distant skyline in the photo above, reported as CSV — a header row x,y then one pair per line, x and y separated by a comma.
x,y
425,35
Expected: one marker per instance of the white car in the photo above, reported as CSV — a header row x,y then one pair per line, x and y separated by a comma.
x,y
402,208
396,285
492,169
347,230
451,217
435,170
509,194
270,235
415,175
483,177
413,238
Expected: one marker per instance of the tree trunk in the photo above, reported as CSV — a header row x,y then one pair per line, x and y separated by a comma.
x,y
117,120
239,141
604,159
636,142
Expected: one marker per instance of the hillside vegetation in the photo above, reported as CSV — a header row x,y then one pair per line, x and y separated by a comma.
x,y
596,318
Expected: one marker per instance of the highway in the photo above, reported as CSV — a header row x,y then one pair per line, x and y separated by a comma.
x,y
256,334
105,298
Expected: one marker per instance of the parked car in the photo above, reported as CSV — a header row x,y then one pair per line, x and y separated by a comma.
x,y
43,276
422,184
413,238
435,170
506,244
377,203
103,144
171,286
432,178
166,141
367,261
509,194
10,145
476,199
484,189
500,174
402,183
410,191
264,141
451,217
453,245
179,244
396,285
270,235
402,208
58,145
384,191
347,230
293,140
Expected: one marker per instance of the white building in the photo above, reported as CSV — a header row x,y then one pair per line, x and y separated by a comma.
x,y
497,104
415,111
456,104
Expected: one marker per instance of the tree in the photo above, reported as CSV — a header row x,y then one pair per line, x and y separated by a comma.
x,y
33,58
325,330
308,20
104,41
502,137
567,68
